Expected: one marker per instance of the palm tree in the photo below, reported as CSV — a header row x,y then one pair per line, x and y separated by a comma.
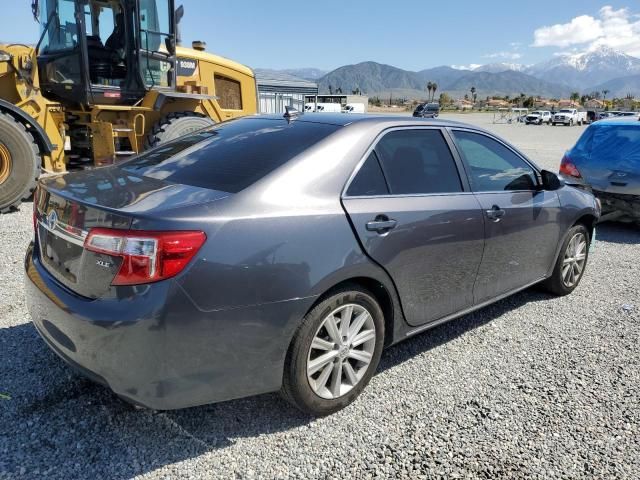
x,y
434,87
604,94
330,90
575,96
429,88
473,93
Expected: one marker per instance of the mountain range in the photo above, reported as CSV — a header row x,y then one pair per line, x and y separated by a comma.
x,y
601,69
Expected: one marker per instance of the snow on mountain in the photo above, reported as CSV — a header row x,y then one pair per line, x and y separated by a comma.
x,y
589,68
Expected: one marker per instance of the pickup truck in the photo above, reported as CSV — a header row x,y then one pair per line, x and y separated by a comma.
x,y
569,116
538,117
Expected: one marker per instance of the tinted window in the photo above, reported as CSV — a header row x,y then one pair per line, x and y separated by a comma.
x,y
230,156
493,167
418,161
369,180
616,146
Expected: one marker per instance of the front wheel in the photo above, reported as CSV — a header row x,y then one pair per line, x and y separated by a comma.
x,y
571,262
19,163
334,353
176,125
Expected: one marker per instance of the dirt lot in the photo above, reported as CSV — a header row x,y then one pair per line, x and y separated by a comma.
x,y
531,387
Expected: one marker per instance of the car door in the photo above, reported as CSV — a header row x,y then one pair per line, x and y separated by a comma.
x,y
409,208
521,220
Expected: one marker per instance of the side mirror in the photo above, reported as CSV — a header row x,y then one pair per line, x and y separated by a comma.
x,y
550,181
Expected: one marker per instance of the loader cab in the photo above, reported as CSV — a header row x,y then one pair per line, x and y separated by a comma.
x,y
97,52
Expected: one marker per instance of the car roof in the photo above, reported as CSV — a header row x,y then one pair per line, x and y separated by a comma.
x,y
345,119
633,121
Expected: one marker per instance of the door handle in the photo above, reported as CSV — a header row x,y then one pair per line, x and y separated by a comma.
x,y
381,224
495,213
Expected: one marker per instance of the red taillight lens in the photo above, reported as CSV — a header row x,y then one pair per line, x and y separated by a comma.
x,y
146,256
568,168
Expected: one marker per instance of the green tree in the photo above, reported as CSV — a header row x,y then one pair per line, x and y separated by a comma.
x,y
434,87
575,96
445,100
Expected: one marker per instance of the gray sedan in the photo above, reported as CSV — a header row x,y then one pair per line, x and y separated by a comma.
x,y
284,253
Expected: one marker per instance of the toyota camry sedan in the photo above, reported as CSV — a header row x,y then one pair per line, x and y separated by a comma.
x,y
285,253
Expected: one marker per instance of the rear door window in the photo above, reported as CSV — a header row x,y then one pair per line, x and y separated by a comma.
x,y
230,156
369,180
418,162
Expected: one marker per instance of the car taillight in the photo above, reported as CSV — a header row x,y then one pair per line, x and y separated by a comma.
x,y
146,256
567,167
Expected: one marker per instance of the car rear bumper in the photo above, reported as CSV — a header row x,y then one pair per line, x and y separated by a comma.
x,y
156,349
625,205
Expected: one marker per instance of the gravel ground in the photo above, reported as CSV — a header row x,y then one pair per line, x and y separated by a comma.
x,y
531,387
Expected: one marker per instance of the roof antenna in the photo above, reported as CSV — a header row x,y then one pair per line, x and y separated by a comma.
x,y
291,113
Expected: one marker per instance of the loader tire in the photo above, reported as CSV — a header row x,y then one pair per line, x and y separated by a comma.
x,y
176,125
19,163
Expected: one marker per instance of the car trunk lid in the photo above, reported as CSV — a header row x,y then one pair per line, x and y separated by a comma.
x,y
69,206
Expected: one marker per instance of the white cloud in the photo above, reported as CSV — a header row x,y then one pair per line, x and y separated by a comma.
x,y
506,55
471,66
581,29
617,29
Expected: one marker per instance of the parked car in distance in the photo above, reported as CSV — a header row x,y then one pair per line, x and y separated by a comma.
x,y
629,114
570,117
538,117
427,110
354,108
284,253
329,108
606,160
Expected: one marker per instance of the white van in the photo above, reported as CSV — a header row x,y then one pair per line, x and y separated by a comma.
x,y
329,108
353,108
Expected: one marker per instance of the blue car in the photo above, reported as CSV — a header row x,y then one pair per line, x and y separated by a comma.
x,y
606,160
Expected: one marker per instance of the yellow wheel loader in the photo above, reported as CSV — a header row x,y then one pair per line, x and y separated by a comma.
x,y
106,80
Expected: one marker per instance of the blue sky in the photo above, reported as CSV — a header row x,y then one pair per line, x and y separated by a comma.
x,y
410,34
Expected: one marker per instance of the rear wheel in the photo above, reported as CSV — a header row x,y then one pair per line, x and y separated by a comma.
x,y
571,262
176,125
19,163
334,353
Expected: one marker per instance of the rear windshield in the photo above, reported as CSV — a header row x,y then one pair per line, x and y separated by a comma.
x,y
231,156
617,146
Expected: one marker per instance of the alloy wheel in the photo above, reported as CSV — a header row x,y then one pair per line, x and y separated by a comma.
x,y
341,351
575,257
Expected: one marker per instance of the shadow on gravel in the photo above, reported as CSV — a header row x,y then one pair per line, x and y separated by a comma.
x,y
446,332
616,232
59,425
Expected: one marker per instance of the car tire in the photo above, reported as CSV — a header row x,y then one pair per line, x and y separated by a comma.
x,y
19,163
323,373
176,125
571,123
568,270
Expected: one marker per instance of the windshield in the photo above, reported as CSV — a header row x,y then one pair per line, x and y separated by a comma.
x,y
59,20
566,110
230,156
